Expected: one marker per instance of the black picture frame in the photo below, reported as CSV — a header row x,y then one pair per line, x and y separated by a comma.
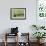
x,y
17,13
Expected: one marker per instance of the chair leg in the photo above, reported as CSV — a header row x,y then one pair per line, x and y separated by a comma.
x,y
5,43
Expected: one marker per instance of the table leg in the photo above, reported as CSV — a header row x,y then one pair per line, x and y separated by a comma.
x,y
5,40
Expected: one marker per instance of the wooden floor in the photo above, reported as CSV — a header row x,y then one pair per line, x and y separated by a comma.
x,y
13,44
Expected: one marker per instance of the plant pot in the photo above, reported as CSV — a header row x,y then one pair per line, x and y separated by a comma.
x,y
40,41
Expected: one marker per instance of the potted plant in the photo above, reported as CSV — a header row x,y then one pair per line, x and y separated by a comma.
x,y
39,35
38,27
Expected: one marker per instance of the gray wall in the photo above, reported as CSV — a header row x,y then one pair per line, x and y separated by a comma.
x,y
24,25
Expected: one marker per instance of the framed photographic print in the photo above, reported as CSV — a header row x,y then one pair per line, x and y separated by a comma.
x,y
17,13
41,12
41,8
